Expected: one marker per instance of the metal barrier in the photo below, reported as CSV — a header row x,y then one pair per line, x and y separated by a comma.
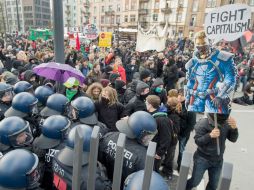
x,y
224,183
184,171
226,176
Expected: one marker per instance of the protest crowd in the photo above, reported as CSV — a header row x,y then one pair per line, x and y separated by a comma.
x,y
138,94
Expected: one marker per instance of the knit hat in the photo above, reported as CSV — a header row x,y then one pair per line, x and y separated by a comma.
x,y
141,86
157,82
113,77
144,74
104,82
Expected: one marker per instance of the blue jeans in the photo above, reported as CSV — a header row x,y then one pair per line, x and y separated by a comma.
x,y
182,144
200,166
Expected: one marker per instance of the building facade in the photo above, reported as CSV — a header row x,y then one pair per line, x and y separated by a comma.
x,y
76,13
24,14
185,17
108,15
2,17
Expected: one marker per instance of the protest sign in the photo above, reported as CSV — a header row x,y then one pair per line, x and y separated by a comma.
x,y
90,32
228,22
210,80
72,43
105,39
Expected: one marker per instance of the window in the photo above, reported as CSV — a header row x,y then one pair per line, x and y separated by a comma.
x,y
107,20
195,6
133,4
211,3
155,17
94,10
102,29
126,4
118,9
110,8
133,18
157,5
102,19
102,9
126,18
117,18
94,19
179,18
193,20
251,2
112,20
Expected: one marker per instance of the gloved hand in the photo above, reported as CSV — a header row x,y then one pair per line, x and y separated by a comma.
x,y
217,101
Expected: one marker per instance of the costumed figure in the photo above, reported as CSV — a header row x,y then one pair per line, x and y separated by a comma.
x,y
211,77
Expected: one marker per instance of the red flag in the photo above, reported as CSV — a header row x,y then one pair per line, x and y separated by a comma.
x,y
77,43
248,36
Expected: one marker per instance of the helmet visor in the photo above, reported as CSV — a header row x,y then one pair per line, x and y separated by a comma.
x,y
7,96
33,176
146,137
73,113
22,138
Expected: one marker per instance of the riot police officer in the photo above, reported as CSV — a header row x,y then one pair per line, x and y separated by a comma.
x,y
135,181
23,86
6,95
82,110
54,131
24,105
23,173
56,105
14,133
63,162
139,128
42,93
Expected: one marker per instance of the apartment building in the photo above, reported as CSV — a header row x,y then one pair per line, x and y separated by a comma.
x,y
24,14
76,13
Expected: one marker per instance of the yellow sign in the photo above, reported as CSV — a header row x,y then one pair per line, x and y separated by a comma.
x,y
105,39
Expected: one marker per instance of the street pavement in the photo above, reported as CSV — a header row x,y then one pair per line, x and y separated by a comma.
x,y
241,153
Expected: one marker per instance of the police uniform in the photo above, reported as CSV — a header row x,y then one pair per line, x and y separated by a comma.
x,y
134,154
63,177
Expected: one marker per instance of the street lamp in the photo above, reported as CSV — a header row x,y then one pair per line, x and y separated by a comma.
x,y
118,36
17,9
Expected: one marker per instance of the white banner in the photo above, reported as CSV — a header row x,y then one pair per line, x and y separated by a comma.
x,y
151,40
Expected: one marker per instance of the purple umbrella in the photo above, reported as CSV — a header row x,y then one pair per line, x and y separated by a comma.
x,y
58,72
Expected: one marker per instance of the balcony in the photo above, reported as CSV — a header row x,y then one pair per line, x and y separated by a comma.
x,y
86,4
143,1
67,12
166,10
143,11
110,12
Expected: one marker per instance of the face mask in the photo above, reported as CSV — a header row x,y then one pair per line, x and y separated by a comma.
x,y
143,96
104,100
70,93
158,90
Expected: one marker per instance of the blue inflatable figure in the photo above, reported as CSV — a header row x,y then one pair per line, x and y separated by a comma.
x,y
211,78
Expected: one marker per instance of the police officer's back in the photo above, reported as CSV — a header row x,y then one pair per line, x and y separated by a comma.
x,y
63,163
139,128
54,131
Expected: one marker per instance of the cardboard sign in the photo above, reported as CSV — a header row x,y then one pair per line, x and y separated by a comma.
x,y
210,83
228,22
90,32
105,39
72,43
